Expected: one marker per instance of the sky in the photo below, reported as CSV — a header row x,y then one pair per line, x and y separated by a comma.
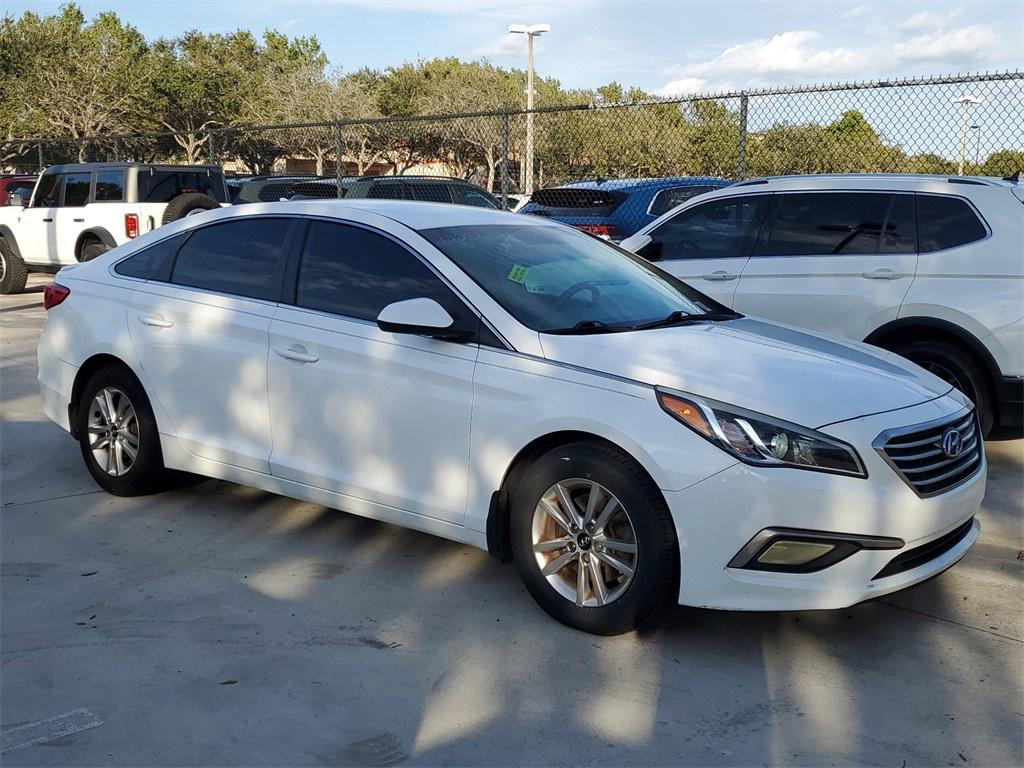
x,y
667,47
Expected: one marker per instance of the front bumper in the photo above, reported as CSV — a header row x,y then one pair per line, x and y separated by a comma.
x,y
718,516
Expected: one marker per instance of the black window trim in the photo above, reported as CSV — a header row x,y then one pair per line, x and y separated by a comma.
x,y
754,242
769,222
291,276
970,204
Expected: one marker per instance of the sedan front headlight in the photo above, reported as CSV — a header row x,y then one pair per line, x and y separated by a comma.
x,y
762,440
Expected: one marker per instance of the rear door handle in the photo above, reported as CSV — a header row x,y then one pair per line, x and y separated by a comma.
x,y
720,275
48,220
881,274
296,352
78,221
156,321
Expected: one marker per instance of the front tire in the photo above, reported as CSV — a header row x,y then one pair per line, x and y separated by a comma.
x,y
118,435
13,272
593,539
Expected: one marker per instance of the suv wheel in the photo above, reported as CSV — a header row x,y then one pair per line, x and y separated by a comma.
x,y
593,539
188,204
952,365
13,272
91,250
118,435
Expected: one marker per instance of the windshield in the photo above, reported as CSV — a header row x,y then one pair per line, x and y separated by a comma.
x,y
553,278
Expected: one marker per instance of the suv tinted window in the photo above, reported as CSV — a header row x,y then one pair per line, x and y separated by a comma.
x,y
946,222
817,223
716,229
109,186
47,191
431,193
668,199
158,185
463,194
76,189
386,191
353,272
244,257
154,262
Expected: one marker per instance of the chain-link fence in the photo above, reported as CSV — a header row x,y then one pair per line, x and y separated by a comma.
x,y
970,124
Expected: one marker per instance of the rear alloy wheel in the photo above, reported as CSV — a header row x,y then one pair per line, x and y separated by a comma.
x,y
957,369
118,434
593,539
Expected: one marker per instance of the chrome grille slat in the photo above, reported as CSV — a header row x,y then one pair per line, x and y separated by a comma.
x,y
906,449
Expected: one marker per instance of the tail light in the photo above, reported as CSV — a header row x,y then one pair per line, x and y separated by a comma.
x,y
54,294
604,231
131,225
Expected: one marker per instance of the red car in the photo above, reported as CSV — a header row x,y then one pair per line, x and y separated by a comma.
x,y
14,183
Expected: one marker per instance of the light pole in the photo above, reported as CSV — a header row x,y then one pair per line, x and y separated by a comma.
x,y
531,31
967,102
977,145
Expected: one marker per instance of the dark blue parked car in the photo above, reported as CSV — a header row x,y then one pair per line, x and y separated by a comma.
x,y
617,208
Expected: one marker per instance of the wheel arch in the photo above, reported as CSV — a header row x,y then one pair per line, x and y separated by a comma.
x,y
85,372
498,513
908,329
98,234
8,237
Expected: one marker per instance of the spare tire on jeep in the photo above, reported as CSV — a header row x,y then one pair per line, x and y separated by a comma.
x,y
186,204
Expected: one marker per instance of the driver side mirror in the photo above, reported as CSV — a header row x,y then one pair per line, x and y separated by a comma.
x,y
15,199
421,317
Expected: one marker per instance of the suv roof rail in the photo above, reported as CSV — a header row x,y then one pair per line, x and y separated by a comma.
x,y
411,176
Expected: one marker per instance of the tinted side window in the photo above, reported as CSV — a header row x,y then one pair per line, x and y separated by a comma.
x,y
109,186
154,262
244,257
465,195
76,189
817,223
386,192
946,222
47,191
668,199
716,229
431,193
350,271
162,186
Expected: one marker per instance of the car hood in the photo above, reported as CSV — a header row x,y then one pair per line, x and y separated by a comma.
x,y
774,369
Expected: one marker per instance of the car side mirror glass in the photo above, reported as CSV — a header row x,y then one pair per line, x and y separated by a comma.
x,y
421,317
15,199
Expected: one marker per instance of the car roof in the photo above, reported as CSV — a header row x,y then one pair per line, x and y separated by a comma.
x,y
641,183
412,213
870,180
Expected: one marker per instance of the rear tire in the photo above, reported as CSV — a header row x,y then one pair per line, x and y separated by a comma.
x,y
113,421
91,250
637,535
13,272
186,204
958,368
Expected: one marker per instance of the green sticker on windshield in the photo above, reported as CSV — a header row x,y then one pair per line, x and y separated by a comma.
x,y
518,274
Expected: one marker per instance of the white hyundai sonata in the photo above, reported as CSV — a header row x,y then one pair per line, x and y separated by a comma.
x,y
519,386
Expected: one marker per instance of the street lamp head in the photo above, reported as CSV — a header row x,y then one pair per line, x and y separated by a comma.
x,y
967,100
531,29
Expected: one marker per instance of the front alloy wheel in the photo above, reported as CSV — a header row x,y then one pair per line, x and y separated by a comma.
x,y
113,430
584,542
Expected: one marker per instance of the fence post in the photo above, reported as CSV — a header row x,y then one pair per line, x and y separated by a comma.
x,y
337,158
39,147
741,166
504,160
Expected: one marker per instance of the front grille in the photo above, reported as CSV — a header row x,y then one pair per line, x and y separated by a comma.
x,y
918,456
917,556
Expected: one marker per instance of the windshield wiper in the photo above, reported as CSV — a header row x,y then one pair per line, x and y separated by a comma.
x,y
589,326
682,318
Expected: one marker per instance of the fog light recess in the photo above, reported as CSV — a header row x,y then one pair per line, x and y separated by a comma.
x,y
794,552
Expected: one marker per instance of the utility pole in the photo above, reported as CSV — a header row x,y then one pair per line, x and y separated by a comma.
x,y
531,31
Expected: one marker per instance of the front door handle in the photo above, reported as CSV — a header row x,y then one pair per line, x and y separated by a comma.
x,y
78,221
296,352
49,221
156,321
720,275
881,274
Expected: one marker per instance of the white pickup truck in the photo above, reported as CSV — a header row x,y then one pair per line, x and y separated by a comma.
x,y
78,211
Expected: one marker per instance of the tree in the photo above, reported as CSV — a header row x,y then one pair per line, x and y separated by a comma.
x,y
1005,162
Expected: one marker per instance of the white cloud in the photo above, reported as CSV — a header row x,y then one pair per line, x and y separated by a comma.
x,y
973,44
289,23
506,45
856,12
927,20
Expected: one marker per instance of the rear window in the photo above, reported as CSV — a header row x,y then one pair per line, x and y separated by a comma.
x,y
668,199
579,201
109,186
467,195
946,222
76,189
158,185
822,223
154,262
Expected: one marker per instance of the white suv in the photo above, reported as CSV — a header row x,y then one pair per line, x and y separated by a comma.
x,y
928,267
76,212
